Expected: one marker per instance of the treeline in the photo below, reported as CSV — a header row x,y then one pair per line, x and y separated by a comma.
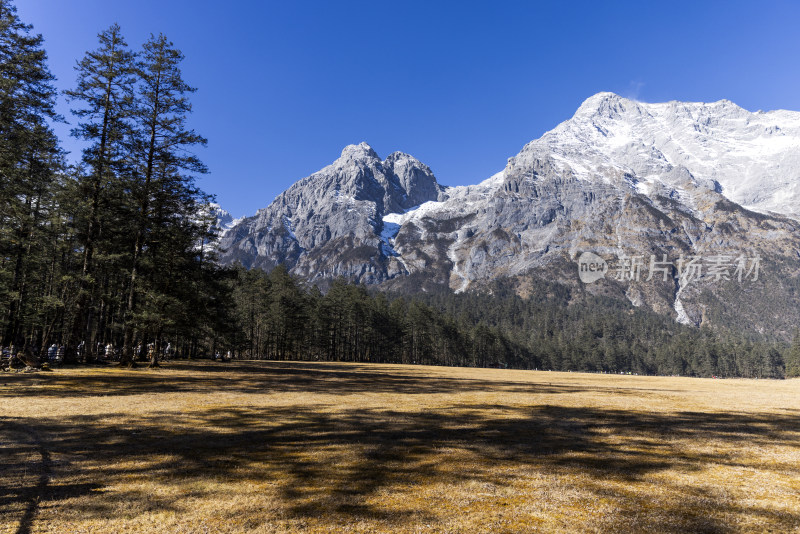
x,y
114,249
281,318
554,328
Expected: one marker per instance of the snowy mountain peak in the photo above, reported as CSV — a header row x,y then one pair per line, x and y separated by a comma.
x,y
754,157
396,158
360,151
601,103
225,220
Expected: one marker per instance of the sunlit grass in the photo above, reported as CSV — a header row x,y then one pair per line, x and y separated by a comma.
x,y
284,447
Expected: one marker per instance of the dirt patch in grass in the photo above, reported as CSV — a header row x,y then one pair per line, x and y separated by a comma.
x,y
309,447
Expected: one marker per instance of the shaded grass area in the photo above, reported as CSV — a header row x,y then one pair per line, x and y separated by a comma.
x,y
282,447
260,377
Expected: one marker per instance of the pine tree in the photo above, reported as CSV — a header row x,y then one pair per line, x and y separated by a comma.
x,y
29,160
161,143
105,91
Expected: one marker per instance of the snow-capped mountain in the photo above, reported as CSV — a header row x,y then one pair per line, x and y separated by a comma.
x,y
753,157
620,178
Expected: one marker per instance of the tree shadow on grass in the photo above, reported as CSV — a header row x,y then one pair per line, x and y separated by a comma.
x,y
273,377
334,463
26,472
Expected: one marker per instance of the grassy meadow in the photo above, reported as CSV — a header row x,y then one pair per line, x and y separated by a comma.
x,y
323,447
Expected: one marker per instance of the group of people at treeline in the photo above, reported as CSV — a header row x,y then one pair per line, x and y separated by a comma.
x,y
33,356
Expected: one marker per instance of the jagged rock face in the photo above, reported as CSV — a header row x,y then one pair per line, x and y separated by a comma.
x,y
619,179
525,221
329,224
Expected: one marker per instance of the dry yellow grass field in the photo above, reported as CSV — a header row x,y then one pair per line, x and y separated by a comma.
x,y
321,447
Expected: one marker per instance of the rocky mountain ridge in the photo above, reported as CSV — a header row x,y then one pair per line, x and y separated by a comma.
x,y
331,223
624,180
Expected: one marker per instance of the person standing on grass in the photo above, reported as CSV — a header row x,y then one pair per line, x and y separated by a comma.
x,y
152,354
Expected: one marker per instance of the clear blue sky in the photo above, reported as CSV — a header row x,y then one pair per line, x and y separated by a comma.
x,y
283,86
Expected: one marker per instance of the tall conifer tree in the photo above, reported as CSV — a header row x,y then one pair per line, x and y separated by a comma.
x,y
163,181
29,160
104,91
